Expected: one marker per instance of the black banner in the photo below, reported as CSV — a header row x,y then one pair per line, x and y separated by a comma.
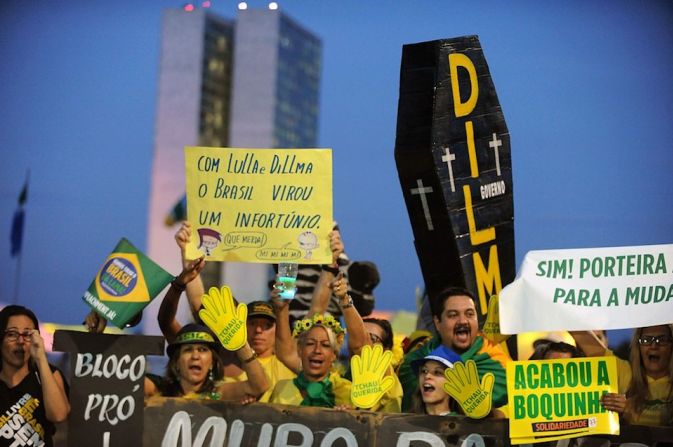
x,y
454,162
188,423
106,392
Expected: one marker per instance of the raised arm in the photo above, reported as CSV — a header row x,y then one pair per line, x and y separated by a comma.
x,y
56,403
322,292
169,305
257,382
357,335
195,289
286,348
589,343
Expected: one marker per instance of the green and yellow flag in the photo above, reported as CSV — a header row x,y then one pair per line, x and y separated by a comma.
x,y
126,283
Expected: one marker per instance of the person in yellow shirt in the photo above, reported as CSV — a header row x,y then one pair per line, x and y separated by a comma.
x,y
317,385
194,369
261,326
318,343
645,381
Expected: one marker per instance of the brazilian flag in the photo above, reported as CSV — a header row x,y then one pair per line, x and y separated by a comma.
x,y
125,284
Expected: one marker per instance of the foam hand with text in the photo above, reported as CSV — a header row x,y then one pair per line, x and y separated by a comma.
x,y
491,327
224,318
462,384
368,370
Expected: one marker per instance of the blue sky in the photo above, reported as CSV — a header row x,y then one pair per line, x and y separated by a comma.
x,y
586,89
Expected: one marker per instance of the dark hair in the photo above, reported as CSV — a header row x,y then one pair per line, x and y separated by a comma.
x,y
437,302
544,347
387,341
173,387
11,311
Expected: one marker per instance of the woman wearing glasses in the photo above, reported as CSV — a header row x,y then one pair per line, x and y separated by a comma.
x,y
646,380
32,392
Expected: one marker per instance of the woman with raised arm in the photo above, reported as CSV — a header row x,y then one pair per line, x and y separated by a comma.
x,y
33,394
318,342
194,369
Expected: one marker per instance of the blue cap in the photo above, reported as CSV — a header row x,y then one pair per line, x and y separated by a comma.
x,y
441,354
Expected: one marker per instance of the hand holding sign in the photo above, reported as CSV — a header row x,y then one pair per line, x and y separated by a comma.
x,y
188,250
224,319
368,369
463,385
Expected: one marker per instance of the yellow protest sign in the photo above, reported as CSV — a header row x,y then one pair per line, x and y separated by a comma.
x,y
368,370
260,205
557,399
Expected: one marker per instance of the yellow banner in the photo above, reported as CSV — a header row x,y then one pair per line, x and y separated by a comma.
x,y
557,399
260,205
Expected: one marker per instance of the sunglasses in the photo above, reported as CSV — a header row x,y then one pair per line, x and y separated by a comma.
x,y
13,335
661,340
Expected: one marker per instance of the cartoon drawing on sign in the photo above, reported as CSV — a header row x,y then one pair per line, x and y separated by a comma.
x,y
208,240
308,241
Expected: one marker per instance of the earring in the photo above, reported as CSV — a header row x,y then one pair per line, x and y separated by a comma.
x,y
210,375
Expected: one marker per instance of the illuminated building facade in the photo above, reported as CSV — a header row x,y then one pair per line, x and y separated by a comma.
x,y
249,82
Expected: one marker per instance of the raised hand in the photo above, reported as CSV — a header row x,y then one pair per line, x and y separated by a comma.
x,y
368,370
191,270
36,345
336,245
224,319
463,386
94,322
188,250
339,286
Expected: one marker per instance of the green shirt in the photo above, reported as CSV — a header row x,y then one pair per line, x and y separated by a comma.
x,y
488,357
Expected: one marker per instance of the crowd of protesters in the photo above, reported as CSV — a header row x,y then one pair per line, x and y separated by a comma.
x,y
294,353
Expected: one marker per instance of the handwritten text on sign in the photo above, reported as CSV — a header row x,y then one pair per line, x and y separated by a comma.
x,y
583,289
260,205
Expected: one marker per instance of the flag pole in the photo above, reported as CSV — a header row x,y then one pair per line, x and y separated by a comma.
x,y
17,279
23,197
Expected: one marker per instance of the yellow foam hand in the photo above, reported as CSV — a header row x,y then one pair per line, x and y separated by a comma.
x,y
368,370
462,383
223,318
491,327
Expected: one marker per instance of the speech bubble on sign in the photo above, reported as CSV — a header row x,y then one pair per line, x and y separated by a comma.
x,y
281,254
237,239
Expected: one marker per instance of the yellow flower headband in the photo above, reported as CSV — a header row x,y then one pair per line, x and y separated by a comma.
x,y
327,321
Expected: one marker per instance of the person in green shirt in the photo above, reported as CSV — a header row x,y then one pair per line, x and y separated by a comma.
x,y
455,317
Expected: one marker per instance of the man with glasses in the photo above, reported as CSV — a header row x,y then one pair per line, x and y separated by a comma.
x,y
33,394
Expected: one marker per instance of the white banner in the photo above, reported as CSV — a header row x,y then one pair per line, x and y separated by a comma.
x,y
594,288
